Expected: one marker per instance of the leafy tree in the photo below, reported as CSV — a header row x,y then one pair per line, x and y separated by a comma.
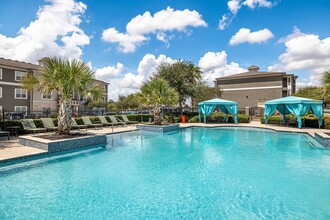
x,y
313,92
157,93
182,76
66,77
112,105
202,92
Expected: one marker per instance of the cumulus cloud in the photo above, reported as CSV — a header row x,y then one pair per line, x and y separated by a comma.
x,y
244,35
235,5
127,83
304,52
214,65
109,72
159,23
55,31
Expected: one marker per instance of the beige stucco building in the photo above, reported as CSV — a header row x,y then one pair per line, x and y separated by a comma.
x,y
254,87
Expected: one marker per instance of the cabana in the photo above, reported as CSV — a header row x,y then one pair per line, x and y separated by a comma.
x,y
226,106
296,105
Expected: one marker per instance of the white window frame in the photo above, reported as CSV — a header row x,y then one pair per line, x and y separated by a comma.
x,y
20,108
20,74
45,98
0,92
16,89
0,73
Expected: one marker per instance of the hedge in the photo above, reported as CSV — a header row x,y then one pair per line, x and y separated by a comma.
x,y
311,121
241,118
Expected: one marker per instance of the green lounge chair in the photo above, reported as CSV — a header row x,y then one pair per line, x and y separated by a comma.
x,y
75,125
115,121
49,124
89,123
104,121
126,120
29,125
5,133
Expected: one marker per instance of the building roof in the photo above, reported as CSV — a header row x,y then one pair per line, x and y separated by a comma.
x,y
293,100
217,101
249,74
18,64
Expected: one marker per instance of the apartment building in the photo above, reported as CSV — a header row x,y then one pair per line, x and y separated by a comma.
x,y
254,87
13,98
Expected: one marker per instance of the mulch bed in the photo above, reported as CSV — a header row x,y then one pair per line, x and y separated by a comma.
x,y
64,136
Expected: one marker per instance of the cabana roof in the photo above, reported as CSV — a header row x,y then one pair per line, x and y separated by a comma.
x,y
217,101
293,100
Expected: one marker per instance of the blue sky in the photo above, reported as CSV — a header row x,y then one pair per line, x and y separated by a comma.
x,y
125,40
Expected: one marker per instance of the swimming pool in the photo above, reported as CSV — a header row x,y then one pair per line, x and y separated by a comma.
x,y
207,173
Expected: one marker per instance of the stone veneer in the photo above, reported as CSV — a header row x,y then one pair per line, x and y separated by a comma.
x,y
64,144
158,128
323,139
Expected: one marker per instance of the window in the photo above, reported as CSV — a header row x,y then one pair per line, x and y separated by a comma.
x,y
22,109
20,94
47,96
0,73
19,75
46,111
0,92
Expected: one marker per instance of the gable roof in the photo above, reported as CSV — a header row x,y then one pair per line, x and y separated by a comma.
x,y
18,64
217,101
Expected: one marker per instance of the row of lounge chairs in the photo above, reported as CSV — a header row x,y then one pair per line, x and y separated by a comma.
x,y
28,124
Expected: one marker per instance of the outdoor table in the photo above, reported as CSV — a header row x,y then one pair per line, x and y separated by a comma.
x,y
13,130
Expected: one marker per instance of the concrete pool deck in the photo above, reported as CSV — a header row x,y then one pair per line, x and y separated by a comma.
x,y
11,149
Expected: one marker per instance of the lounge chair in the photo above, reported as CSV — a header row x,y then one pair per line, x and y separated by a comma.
x,y
49,124
126,120
5,133
28,125
89,123
75,125
292,121
116,122
104,121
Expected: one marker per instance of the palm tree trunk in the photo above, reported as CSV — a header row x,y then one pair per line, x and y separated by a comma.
x,y
157,117
64,116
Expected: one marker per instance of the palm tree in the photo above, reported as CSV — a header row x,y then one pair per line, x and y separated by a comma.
x,y
67,78
326,83
157,93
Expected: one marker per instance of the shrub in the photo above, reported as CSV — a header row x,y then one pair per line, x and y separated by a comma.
x,y
241,118
311,121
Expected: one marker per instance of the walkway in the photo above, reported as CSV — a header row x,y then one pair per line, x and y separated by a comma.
x,y
10,149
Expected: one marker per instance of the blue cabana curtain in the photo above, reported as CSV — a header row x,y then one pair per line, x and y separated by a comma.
x,y
269,110
298,110
207,107
207,110
295,105
318,111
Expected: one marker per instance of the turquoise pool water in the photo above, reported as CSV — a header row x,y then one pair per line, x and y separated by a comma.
x,y
218,173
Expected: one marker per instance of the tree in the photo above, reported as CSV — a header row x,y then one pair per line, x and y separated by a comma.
x,y
313,92
157,93
202,92
326,83
181,75
66,77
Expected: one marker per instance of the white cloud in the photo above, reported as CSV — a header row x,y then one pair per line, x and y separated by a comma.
x,y
235,5
304,52
159,23
214,65
60,19
127,83
244,35
106,73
